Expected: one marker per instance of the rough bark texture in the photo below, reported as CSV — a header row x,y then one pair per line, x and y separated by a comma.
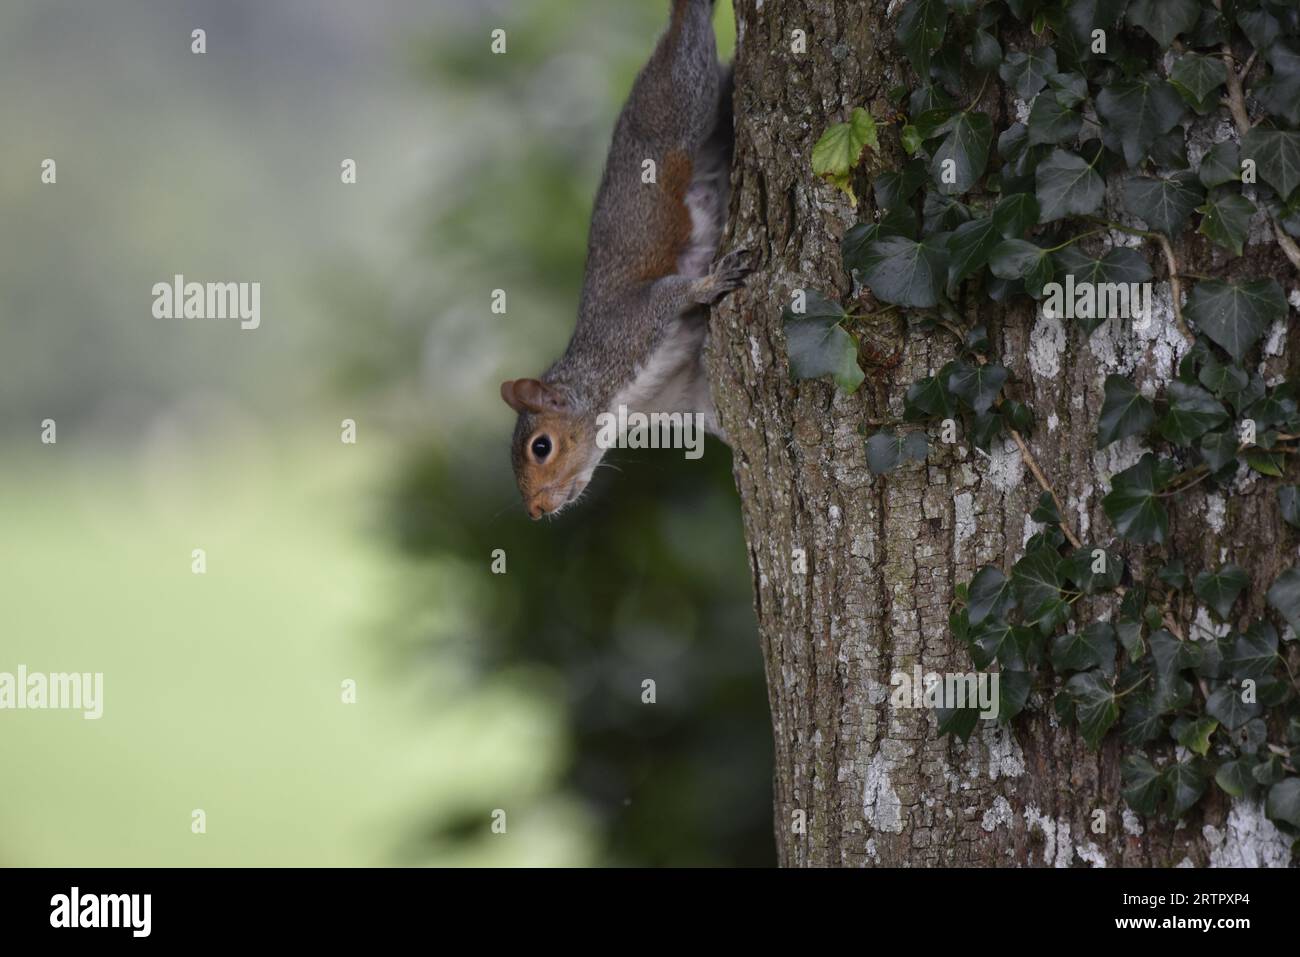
x,y
877,785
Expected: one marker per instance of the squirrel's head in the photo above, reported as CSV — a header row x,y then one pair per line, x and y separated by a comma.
x,y
554,449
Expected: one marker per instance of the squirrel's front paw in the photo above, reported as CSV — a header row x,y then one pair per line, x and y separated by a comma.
x,y
728,274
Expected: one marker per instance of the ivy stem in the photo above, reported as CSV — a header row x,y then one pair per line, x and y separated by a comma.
x,y
1171,264
1241,119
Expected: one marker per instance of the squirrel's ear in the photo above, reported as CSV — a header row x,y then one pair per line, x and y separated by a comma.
x,y
531,395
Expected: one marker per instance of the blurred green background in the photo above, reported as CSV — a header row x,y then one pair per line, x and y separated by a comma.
x,y
328,561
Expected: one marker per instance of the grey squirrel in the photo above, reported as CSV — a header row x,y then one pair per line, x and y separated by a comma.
x,y
648,281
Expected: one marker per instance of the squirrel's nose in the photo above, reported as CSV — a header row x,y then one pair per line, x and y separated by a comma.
x,y
535,511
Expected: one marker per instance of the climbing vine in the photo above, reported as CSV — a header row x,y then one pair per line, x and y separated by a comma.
x,y
964,211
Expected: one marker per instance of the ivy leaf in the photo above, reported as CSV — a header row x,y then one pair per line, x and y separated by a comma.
x,y
966,144
817,345
1254,652
977,385
1288,502
1036,579
1235,315
1280,93
1021,259
905,272
1066,185
1140,783
1192,413
1046,512
1195,735
1284,596
958,722
1015,213
1227,220
1013,693
1132,504
1185,783
1026,71
840,148
1164,19
1095,705
1261,28
1233,778
1220,589
1221,164
1051,122
969,247
990,595
1079,568
1225,704
986,52
1138,111
927,398
1277,157
1165,203
1218,448
920,30
1283,802
1093,647
1124,412
887,450
1196,77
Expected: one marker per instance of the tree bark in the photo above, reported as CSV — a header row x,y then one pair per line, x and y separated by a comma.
x,y
877,785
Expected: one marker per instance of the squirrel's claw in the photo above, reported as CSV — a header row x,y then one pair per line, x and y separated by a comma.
x,y
728,274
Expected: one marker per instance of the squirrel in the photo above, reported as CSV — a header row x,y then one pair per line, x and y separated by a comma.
x,y
648,284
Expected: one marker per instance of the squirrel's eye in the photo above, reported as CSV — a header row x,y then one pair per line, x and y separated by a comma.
x,y
541,447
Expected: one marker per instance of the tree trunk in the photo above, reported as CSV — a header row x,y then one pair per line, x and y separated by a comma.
x,y
878,785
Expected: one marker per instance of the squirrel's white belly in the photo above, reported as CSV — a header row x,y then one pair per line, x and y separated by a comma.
x,y
674,378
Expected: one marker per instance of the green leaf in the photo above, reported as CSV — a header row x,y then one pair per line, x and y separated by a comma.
x,y
1280,93
1196,77
1288,502
1079,568
1192,413
958,722
1195,735
1051,122
1254,652
1015,213
1133,506
986,52
1218,448
1277,157
1138,111
977,385
1046,512
990,595
1124,412
887,450
1021,259
1220,589
928,398
1013,693
905,272
1164,19
969,247
1140,782
1221,164
1284,596
920,30
1095,705
1225,704
1066,185
1026,71
840,148
1283,802
1235,315
1233,778
1036,579
1093,647
1163,203
817,345
1184,783
966,144
1226,220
